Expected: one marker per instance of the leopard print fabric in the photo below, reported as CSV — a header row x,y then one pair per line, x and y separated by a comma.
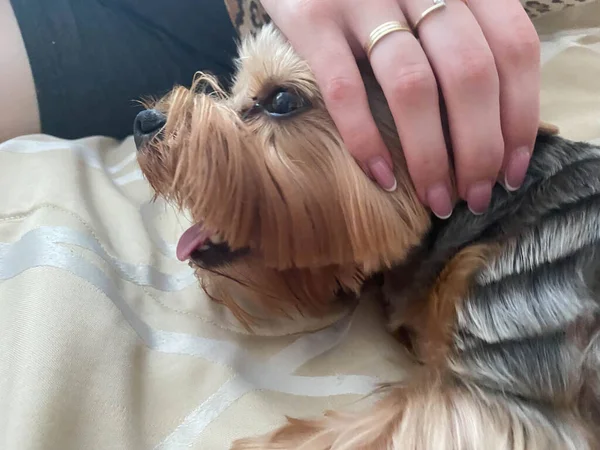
x,y
536,8
248,16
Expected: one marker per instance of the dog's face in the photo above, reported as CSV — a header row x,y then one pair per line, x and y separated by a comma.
x,y
282,212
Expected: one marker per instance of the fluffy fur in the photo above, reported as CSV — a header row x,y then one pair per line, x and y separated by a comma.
x,y
500,310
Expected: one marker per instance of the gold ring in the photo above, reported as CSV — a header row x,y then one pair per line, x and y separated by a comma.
x,y
437,4
383,30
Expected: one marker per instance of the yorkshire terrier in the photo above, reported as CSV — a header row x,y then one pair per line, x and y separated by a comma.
x,y
500,310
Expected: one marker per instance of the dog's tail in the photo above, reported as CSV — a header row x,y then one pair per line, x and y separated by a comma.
x,y
433,414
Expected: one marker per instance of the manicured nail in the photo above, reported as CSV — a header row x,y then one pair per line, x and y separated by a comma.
x,y
479,196
439,200
516,169
383,174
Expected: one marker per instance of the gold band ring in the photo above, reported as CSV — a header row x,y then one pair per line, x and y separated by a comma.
x,y
383,30
437,4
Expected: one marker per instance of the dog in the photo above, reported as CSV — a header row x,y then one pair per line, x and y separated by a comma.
x,y
500,310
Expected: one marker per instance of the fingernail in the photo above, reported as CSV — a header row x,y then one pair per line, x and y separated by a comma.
x,y
383,174
516,169
479,196
439,200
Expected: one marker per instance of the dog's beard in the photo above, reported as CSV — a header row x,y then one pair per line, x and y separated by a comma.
x,y
252,291
197,163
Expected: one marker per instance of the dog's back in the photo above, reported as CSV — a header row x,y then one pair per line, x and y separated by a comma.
x,y
519,285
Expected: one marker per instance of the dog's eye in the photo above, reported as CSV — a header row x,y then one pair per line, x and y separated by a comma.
x,y
283,103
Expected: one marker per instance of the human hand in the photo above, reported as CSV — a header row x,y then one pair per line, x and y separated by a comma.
x,y
484,58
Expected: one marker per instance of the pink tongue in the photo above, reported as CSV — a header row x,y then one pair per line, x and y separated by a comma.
x,y
194,237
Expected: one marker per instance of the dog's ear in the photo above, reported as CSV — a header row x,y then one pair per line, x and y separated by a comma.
x,y
383,226
387,127
385,121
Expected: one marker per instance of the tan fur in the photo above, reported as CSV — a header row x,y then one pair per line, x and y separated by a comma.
x,y
434,316
548,128
433,412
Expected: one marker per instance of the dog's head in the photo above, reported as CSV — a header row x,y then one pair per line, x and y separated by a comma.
x,y
282,212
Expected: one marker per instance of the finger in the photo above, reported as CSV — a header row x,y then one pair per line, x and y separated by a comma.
x,y
466,72
336,72
515,45
405,75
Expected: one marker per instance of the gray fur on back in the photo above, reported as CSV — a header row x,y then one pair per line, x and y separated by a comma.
x,y
527,330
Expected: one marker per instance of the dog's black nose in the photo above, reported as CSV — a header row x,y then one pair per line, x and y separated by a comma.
x,y
145,126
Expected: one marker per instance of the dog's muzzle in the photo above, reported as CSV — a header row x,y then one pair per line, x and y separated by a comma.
x,y
146,125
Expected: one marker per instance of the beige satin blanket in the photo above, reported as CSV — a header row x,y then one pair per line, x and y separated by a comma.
x,y
106,341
